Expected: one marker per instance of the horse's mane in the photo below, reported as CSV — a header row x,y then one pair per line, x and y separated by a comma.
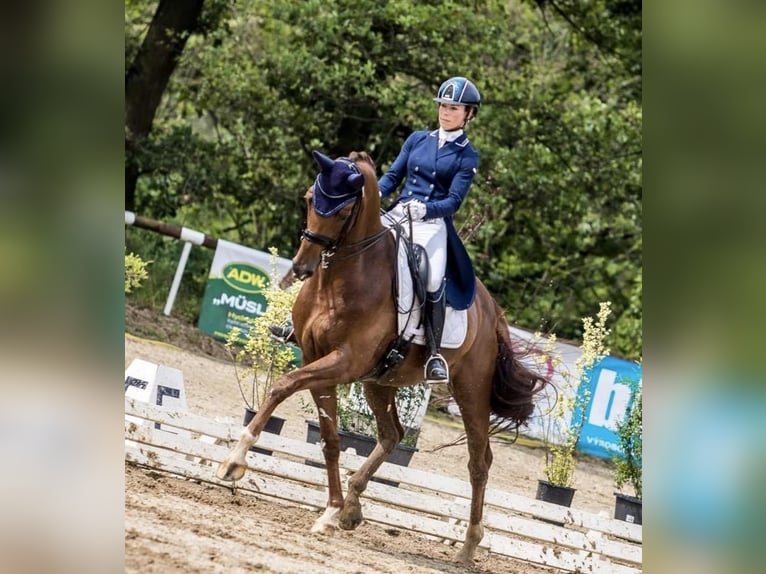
x,y
362,157
367,166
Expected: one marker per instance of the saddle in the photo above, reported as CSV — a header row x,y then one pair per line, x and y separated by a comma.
x,y
410,294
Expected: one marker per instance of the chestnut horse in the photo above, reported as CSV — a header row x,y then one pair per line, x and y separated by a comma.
x,y
345,317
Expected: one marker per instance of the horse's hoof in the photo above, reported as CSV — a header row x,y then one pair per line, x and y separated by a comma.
x,y
350,518
463,560
323,528
350,523
230,471
327,523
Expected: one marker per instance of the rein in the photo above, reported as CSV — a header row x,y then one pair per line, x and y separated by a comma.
x,y
362,245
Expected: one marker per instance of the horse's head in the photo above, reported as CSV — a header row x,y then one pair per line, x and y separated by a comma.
x,y
334,203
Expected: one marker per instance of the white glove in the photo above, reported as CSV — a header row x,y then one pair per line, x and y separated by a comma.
x,y
417,210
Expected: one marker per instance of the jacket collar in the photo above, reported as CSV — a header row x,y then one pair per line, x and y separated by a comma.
x,y
461,141
449,148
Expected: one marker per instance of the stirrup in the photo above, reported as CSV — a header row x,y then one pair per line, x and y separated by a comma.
x,y
436,378
281,333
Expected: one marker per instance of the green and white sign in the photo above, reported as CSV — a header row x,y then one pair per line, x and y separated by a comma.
x,y
234,291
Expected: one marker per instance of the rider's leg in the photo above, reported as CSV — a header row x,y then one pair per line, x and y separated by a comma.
x,y
435,309
432,235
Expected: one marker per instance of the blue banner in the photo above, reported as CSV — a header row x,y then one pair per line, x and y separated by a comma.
x,y
610,383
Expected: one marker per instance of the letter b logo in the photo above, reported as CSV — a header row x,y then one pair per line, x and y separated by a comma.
x,y
609,401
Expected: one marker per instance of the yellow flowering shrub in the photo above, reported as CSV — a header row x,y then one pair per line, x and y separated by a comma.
x,y
262,359
567,415
135,272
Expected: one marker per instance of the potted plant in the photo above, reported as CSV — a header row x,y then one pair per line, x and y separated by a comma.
x,y
629,466
564,420
356,423
260,360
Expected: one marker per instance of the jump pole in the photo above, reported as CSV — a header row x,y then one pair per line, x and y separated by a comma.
x,y
188,236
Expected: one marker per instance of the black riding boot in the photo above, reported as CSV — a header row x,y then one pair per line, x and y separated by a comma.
x,y
284,332
436,370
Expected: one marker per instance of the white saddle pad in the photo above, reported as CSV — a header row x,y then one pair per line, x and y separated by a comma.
x,y
455,322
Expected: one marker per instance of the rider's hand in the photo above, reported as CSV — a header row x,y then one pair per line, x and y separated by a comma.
x,y
417,210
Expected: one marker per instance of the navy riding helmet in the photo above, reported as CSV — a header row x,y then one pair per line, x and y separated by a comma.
x,y
459,90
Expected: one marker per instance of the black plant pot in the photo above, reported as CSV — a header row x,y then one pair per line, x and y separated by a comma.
x,y
548,492
273,425
627,508
363,445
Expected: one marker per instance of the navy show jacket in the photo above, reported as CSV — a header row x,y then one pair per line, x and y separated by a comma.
x,y
440,178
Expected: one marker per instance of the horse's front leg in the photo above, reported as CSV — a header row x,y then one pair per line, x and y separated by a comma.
x,y
390,432
327,412
328,370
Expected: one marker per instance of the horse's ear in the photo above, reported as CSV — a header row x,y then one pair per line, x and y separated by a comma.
x,y
324,162
356,181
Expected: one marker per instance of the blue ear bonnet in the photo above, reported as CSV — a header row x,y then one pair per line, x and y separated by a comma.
x,y
339,183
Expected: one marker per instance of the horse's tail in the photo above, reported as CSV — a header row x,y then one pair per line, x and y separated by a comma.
x,y
513,385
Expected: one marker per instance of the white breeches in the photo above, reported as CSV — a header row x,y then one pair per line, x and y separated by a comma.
x,y
432,235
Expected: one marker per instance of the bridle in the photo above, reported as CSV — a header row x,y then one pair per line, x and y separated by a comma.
x,y
331,246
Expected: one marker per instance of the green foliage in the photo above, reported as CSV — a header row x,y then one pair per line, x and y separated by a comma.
x,y
563,426
262,359
165,252
135,271
629,469
554,220
354,414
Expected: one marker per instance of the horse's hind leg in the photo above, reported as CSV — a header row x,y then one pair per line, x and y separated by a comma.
x,y
390,432
475,531
476,422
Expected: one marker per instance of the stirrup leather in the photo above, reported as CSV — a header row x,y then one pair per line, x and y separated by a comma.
x,y
437,356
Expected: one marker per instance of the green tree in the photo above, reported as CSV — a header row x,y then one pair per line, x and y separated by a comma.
x,y
147,76
554,219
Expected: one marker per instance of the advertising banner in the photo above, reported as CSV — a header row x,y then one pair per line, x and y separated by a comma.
x,y
609,383
234,291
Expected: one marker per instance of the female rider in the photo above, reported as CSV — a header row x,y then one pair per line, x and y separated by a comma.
x,y
436,169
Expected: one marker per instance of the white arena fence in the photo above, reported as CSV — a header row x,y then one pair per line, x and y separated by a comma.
x,y
526,529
